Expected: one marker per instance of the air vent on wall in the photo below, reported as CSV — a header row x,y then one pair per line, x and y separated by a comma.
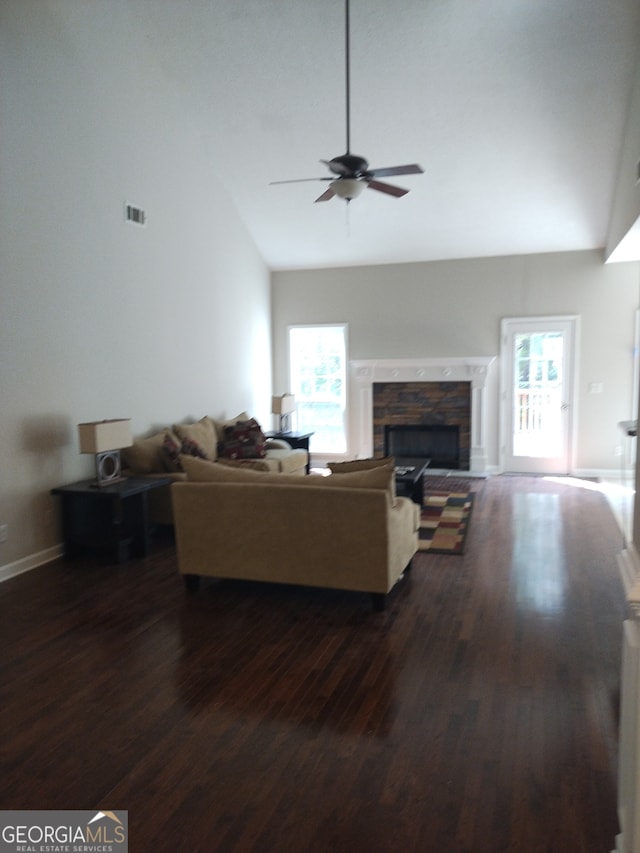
x,y
135,215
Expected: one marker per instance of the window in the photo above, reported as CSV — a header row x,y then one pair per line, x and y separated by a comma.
x,y
318,378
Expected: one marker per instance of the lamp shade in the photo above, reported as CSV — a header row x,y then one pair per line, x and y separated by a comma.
x,y
100,436
283,405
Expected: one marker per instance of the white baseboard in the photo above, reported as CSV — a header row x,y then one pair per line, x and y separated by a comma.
x,y
11,570
627,474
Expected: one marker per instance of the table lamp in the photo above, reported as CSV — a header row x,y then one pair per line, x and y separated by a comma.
x,y
104,439
283,406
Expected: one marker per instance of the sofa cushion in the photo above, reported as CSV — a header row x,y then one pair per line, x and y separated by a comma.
x,y
287,461
173,450
199,470
249,464
202,436
361,465
242,440
145,456
386,463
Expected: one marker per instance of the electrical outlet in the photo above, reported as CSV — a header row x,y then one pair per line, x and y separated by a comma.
x,y
4,532
617,450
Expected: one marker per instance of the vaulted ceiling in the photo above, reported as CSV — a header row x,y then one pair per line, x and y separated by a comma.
x,y
515,110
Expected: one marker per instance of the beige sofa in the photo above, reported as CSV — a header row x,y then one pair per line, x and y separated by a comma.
x,y
161,455
345,531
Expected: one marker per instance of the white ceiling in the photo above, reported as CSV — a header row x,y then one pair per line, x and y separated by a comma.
x,y
514,108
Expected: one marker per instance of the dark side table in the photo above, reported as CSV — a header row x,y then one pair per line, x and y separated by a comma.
x,y
410,478
297,440
113,519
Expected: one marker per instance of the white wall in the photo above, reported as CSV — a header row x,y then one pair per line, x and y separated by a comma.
x,y
98,318
454,308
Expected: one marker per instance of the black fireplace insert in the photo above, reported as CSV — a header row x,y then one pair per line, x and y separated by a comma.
x,y
438,442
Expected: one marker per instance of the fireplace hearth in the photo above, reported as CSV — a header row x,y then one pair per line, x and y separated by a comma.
x,y
440,443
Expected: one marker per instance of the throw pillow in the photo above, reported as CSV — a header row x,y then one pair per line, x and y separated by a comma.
x,y
171,452
190,447
203,433
220,424
243,440
145,456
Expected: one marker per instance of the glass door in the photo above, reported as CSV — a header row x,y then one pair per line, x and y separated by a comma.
x,y
537,394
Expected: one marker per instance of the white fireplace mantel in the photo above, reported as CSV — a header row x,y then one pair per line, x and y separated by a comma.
x,y
474,369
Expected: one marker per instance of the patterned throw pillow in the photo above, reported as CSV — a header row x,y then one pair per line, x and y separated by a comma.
x,y
171,452
243,440
190,447
203,432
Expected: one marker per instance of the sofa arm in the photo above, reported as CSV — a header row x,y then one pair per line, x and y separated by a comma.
x,y
404,522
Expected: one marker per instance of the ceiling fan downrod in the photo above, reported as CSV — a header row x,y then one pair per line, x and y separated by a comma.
x,y
347,76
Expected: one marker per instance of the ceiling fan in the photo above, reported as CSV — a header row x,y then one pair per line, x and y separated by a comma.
x,y
352,172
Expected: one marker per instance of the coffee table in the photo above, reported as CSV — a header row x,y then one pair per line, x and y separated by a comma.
x,y
409,476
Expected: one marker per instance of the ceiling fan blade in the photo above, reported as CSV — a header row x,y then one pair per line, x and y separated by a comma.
x,y
411,169
299,180
387,188
326,195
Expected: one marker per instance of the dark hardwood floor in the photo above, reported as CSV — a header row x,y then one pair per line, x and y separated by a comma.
x,y
477,714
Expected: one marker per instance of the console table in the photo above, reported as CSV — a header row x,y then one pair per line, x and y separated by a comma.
x,y
113,519
297,440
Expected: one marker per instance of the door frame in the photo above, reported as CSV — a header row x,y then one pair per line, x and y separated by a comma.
x,y
571,383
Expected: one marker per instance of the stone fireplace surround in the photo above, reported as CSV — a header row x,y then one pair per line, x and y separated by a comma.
x,y
366,373
413,406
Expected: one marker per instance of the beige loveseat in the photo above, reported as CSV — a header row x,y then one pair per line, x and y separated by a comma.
x,y
161,455
345,531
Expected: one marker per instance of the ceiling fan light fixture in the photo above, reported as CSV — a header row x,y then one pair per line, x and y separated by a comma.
x,y
348,188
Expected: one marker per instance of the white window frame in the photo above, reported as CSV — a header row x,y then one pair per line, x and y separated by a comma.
x,y
321,453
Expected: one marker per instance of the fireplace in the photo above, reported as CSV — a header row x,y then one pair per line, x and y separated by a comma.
x,y
435,418
452,375
439,443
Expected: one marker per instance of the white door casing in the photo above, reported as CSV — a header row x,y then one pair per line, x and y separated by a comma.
x,y
537,394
